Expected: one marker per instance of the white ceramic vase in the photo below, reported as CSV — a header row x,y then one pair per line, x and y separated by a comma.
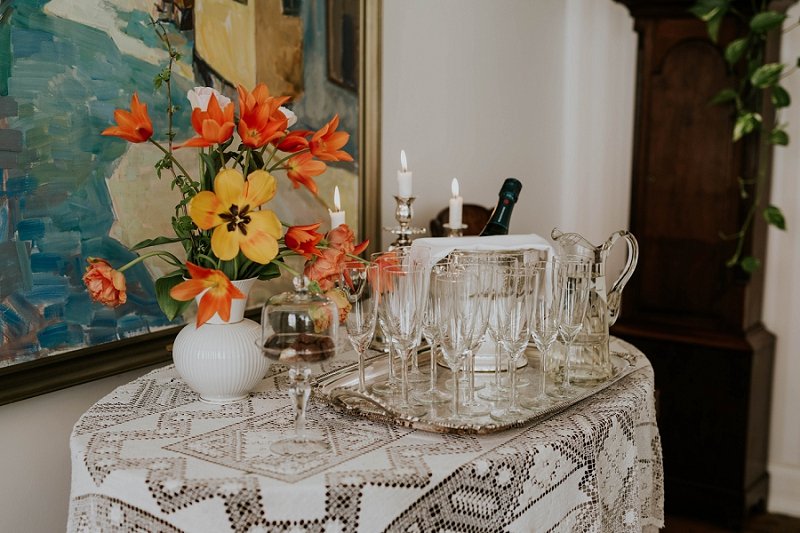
x,y
220,360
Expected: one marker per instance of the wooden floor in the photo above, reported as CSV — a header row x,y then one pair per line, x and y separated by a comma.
x,y
764,523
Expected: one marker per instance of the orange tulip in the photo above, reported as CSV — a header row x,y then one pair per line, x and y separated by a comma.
x,y
303,240
326,142
105,284
294,141
213,126
231,212
260,117
218,297
342,238
302,168
134,125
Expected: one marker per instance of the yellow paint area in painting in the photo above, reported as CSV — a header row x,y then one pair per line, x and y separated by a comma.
x,y
225,37
252,43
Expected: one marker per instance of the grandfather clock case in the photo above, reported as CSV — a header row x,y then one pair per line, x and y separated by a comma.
x,y
697,320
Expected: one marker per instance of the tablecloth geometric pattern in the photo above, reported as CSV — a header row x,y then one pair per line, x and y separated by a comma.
x,y
151,457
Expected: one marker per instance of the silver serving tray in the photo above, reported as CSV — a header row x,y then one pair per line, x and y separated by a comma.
x,y
339,388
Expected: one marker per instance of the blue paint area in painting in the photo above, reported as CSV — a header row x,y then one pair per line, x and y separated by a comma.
x,y
12,321
60,82
31,230
54,312
3,220
131,325
60,335
44,262
79,308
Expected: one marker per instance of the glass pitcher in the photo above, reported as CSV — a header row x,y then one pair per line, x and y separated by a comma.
x,y
590,361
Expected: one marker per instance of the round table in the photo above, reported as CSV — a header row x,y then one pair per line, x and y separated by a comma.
x,y
152,457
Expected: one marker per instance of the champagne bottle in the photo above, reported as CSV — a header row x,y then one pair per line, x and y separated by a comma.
x,y
501,217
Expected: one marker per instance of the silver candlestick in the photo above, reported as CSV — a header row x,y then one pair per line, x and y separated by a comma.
x,y
404,230
455,231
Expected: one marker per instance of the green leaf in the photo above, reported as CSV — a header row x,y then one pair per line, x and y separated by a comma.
x,y
167,303
155,242
779,136
767,75
711,12
774,217
750,264
725,95
763,22
780,97
270,270
713,27
746,123
735,50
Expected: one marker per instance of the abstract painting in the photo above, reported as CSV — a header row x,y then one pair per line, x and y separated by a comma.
x,y
68,193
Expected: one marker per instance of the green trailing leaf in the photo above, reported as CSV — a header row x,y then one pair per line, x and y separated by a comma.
x,y
746,123
170,306
711,12
763,22
155,242
766,75
750,264
774,217
725,95
780,97
779,136
735,50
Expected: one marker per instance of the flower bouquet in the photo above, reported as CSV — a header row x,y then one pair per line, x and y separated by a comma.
x,y
221,220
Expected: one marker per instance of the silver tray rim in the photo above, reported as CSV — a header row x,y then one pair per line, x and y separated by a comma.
x,y
626,360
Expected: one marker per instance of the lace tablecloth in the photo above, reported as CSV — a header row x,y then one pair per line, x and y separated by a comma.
x,y
151,457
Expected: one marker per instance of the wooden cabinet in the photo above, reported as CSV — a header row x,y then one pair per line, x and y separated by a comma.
x,y
697,320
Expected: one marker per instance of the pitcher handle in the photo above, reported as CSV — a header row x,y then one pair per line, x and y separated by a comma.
x,y
615,294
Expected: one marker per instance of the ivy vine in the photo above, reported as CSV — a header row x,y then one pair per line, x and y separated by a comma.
x,y
746,58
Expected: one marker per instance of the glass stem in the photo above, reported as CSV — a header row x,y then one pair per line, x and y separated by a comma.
x,y
543,379
362,378
300,391
392,379
471,377
404,355
433,367
567,364
456,392
497,362
513,377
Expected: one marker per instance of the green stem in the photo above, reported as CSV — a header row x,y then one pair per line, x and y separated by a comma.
x,y
286,267
172,157
280,161
141,258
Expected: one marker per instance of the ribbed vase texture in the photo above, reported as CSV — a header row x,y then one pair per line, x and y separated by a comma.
x,y
221,361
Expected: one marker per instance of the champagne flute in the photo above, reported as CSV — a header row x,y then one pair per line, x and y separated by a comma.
x,y
402,291
514,337
357,281
450,309
433,395
544,325
381,260
496,322
573,281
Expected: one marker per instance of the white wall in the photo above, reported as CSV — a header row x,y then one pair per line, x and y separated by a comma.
x,y
782,302
542,91
34,455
